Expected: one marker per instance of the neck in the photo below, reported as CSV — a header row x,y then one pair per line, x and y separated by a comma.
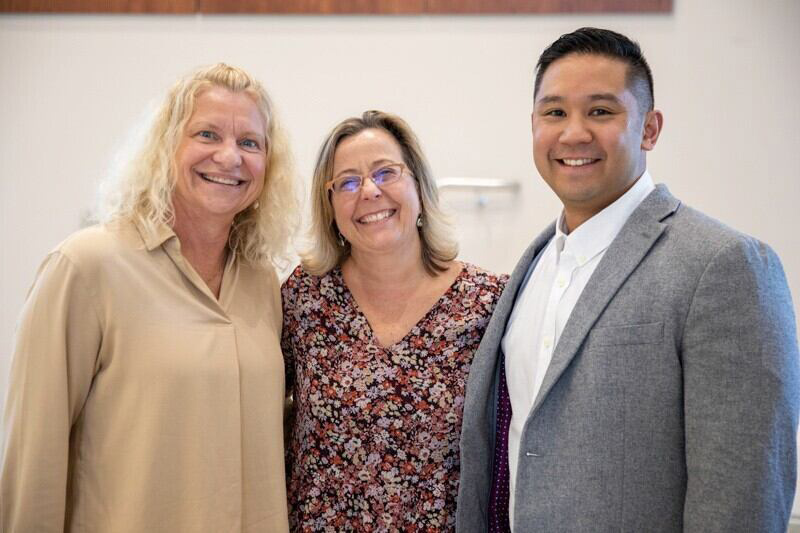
x,y
204,244
574,218
384,272
576,214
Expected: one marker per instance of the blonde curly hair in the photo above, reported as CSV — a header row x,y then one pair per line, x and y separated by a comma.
x,y
143,192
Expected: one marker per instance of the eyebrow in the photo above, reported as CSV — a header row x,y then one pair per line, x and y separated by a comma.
x,y
551,99
258,136
374,164
204,124
605,96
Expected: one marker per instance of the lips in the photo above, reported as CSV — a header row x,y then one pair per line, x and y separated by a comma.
x,y
376,217
221,180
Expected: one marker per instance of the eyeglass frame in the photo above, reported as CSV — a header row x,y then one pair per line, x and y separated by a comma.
x,y
330,182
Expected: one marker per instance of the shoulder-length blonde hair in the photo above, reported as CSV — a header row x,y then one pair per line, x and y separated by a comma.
x,y
325,250
260,234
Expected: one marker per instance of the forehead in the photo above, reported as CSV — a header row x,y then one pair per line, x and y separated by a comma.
x,y
218,104
365,148
580,75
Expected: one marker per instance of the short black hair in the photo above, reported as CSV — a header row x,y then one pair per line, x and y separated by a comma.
x,y
608,43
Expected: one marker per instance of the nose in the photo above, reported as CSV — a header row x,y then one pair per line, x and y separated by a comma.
x,y
228,156
369,190
575,132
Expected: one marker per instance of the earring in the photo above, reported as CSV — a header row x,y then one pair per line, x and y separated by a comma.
x,y
419,220
256,205
340,238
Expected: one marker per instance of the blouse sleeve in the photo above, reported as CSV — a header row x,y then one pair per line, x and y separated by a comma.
x,y
288,300
54,362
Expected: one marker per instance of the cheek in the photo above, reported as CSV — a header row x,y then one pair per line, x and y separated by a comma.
x,y
540,142
622,142
414,201
258,167
192,153
260,189
339,215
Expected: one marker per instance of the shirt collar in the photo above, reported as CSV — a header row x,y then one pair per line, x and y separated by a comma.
x,y
596,234
155,237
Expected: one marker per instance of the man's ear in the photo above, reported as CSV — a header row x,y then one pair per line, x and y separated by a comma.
x,y
653,122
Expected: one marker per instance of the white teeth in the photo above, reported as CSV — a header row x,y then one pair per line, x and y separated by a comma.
x,y
375,217
218,179
577,162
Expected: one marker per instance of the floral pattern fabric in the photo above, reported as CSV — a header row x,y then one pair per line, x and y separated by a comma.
x,y
374,445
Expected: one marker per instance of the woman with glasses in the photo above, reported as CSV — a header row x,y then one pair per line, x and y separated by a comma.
x,y
380,326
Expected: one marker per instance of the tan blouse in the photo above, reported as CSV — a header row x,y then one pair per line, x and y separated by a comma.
x,y
138,401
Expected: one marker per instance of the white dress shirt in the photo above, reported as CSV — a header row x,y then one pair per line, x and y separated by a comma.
x,y
545,303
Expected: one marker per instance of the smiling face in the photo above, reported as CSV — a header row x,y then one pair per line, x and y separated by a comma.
x,y
375,219
221,158
589,137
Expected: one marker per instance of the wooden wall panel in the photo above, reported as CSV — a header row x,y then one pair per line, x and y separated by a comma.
x,y
314,7
98,6
337,7
548,6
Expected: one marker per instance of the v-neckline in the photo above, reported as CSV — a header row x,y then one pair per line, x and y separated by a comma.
x,y
373,337
173,250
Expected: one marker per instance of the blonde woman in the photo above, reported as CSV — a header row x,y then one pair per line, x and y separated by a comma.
x,y
380,326
147,382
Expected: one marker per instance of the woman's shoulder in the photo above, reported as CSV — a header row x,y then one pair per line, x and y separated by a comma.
x,y
95,244
480,289
303,284
300,278
481,277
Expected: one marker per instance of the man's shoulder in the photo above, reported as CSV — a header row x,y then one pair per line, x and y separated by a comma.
x,y
694,231
687,230
690,219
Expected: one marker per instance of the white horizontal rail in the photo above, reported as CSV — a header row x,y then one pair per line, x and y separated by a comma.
x,y
478,184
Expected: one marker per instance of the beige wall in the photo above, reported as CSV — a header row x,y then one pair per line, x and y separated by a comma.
x,y
726,73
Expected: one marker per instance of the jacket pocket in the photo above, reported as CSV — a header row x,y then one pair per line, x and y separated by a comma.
x,y
651,333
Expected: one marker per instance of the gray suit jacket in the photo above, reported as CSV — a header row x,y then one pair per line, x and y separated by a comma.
x,y
671,401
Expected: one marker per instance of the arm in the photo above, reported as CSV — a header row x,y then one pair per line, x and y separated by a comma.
x,y
287,298
57,342
741,382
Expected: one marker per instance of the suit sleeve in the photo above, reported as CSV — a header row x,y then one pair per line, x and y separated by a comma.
x,y
740,364
55,354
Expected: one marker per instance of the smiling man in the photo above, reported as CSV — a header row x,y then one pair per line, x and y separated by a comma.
x,y
640,372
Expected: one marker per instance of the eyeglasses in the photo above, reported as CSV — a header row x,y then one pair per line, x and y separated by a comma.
x,y
352,183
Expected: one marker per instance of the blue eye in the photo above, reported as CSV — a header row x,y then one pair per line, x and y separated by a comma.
x,y
249,143
348,184
385,175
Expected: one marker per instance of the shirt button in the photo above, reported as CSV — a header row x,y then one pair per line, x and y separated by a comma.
x,y
561,282
548,342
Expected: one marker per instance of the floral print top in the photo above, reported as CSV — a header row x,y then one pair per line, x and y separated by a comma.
x,y
374,444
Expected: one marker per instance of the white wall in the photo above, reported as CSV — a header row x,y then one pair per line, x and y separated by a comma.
x,y
726,75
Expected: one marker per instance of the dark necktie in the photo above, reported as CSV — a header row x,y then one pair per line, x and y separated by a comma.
x,y
498,498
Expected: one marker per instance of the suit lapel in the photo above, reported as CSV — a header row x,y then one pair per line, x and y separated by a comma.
x,y
484,363
521,274
637,237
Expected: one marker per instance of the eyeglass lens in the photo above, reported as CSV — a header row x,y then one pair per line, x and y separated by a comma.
x,y
379,177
